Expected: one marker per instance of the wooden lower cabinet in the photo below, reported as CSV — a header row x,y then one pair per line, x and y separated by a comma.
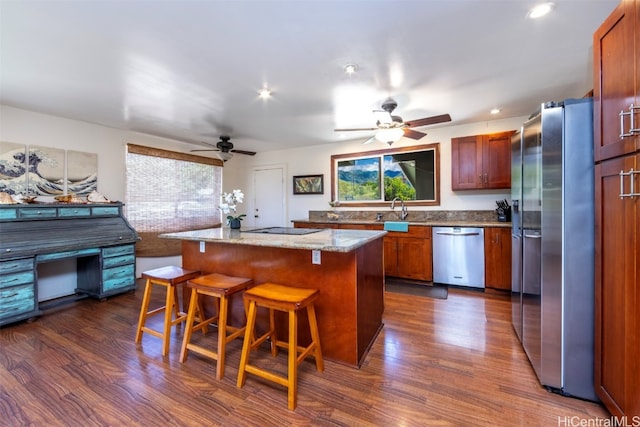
x,y
406,255
497,258
617,287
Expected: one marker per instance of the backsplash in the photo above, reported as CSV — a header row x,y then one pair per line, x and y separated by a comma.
x,y
414,216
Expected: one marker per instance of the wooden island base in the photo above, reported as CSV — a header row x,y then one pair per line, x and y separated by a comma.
x,y
351,302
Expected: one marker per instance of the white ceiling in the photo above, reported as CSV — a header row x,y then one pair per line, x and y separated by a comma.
x,y
190,70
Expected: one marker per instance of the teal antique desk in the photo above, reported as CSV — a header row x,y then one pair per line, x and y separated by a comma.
x,y
97,235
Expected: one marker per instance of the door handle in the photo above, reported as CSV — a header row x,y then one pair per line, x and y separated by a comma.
x,y
631,174
632,129
533,236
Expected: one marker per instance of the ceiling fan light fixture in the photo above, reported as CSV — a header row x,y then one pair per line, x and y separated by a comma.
x,y
224,155
350,68
540,10
390,135
264,93
494,111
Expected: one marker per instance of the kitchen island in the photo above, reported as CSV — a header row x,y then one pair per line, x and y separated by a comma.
x,y
345,265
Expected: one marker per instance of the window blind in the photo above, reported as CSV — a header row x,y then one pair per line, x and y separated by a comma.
x,y
167,192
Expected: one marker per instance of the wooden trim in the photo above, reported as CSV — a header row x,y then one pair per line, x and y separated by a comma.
x,y
174,155
437,178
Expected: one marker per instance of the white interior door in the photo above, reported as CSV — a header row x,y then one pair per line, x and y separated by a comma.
x,y
269,197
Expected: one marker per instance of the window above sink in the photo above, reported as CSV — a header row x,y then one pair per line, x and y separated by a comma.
x,y
375,178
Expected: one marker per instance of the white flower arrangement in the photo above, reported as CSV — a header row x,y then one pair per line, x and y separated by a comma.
x,y
229,204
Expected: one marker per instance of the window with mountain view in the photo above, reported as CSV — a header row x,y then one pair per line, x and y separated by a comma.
x,y
371,179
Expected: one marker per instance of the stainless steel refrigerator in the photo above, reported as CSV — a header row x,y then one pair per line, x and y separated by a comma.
x,y
557,216
516,232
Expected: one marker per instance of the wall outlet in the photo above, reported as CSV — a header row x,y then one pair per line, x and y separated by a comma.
x,y
201,247
315,257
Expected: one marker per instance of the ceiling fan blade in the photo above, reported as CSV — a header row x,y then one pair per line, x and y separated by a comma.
x,y
413,134
248,153
428,121
204,149
370,140
348,130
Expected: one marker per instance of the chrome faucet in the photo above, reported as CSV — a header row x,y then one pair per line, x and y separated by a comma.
x,y
403,208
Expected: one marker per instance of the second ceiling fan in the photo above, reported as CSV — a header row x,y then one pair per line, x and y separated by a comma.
x,y
225,148
391,128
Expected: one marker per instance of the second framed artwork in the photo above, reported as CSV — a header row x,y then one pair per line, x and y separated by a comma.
x,y
308,184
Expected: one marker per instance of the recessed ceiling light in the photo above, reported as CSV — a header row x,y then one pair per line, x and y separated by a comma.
x,y
264,93
495,111
350,68
540,10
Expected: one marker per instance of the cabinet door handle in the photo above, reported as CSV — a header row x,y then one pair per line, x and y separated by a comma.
x,y
631,174
632,129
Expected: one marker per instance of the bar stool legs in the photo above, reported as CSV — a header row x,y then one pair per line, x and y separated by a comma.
x,y
169,277
220,287
291,300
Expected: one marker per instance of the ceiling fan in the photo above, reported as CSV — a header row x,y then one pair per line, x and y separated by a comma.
x,y
391,128
225,148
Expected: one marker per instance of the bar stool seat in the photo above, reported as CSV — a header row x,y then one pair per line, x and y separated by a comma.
x,y
169,277
291,300
220,287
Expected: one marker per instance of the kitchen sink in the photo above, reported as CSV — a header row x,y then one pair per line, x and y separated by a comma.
x,y
401,226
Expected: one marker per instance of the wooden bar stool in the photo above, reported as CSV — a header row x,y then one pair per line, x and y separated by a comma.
x,y
169,277
291,300
220,287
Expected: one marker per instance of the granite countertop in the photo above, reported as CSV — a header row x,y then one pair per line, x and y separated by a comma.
x,y
432,223
329,240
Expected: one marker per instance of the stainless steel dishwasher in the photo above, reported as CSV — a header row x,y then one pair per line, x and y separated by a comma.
x,y
458,256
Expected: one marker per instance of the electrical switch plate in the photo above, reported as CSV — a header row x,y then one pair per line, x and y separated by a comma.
x,y
202,247
315,257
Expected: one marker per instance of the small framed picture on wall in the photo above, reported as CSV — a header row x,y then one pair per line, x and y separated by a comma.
x,y
308,184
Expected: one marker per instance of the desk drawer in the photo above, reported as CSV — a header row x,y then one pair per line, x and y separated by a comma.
x,y
15,279
37,213
105,211
118,251
8,213
118,272
73,212
16,300
118,277
68,254
118,283
118,260
16,265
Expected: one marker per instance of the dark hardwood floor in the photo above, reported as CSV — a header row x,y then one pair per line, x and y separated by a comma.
x,y
453,362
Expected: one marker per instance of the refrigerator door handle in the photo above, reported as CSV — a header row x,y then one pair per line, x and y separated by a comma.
x,y
533,236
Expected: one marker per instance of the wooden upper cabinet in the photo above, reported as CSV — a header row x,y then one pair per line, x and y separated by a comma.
x,y
616,81
481,161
